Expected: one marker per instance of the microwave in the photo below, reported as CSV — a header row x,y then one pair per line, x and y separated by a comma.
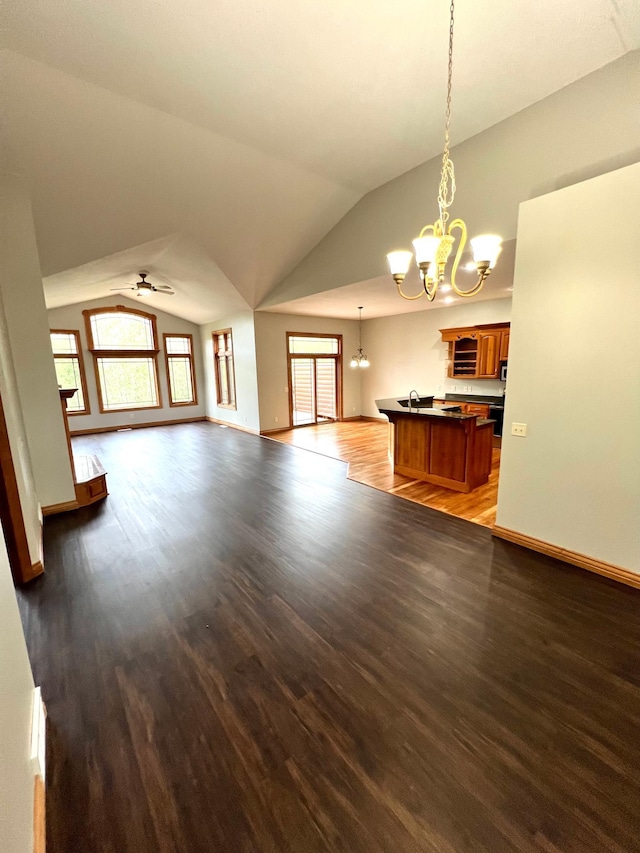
x,y
503,371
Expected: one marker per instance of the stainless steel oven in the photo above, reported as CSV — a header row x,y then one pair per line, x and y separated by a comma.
x,y
503,371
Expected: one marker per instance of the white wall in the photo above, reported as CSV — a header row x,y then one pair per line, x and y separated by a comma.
x,y
271,349
246,414
551,144
28,338
70,317
574,373
16,696
406,352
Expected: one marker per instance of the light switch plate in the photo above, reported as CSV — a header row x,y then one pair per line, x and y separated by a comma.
x,y
519,429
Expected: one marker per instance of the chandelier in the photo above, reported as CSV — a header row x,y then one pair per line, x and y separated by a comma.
x,y
359,359
435,242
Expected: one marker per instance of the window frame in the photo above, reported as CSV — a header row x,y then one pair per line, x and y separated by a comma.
x,y
231,368
189,355
80,357
123,353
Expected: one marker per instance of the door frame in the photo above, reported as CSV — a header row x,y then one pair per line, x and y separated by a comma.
x,y
15,533
337,358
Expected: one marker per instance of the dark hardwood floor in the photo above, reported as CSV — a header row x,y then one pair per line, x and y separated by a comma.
x,y
242,650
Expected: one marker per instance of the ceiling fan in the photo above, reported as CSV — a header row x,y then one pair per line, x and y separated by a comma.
x,y
145,288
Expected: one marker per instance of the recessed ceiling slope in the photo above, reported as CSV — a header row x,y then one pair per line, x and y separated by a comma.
x,y
106,173
202,293
350,90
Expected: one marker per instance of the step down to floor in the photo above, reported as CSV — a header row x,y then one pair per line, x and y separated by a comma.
x,y
91,479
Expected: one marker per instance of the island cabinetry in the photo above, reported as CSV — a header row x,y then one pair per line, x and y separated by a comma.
x,y
453,452
475,352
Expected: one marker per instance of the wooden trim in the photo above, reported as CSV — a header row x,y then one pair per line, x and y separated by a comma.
x,y
374,420
83,376
35,570
352,418
65,506
39,816
118,309
118,427
233,426
38,762
230,361
122,353
279,429
11,515
189,355
591,564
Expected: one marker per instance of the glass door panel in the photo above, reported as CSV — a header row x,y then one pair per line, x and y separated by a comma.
x,y
326,389
303,391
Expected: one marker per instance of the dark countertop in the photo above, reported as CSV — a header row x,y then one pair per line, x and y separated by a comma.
x,y
392,405
473,398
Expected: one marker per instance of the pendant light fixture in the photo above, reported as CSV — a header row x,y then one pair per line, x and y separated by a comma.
x,y
359,359
435,242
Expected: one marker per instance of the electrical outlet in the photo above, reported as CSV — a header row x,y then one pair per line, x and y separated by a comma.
x,y
286,390
519,429
353,408
275,420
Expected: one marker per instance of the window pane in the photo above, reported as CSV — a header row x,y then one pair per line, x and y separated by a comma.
x,y
179,345
232,387
121,331
127,383
68,373
180,384
224,382
326,346
63,343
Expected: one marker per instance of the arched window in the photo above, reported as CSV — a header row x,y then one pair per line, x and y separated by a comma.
x,y
124,343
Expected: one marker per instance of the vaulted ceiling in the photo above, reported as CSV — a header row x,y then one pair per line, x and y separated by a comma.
x,y
247,129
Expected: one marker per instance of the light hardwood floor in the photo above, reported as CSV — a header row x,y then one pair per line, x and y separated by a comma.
x,y
364,446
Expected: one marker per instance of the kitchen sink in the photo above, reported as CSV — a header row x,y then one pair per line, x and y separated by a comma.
x,y
419,403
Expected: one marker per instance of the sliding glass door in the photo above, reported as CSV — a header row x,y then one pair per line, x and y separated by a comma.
x,y
315,365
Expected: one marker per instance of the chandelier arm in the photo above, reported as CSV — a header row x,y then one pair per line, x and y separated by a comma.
x,y
476,288
462,228
431,228
404,295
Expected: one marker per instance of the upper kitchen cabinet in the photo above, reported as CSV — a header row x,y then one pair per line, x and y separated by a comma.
x,y
475,352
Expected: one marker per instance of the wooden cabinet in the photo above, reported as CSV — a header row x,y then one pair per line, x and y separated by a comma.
x,y
479,409
488,366
504,345
475,352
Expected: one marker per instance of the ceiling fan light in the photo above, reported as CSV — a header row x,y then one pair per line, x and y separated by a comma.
x,y
144,292
364,362
354,362
486,247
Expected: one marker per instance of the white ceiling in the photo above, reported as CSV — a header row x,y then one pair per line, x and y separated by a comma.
x,y
350,89
379,296
251,128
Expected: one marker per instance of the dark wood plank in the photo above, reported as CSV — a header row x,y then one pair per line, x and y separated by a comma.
x,y
243,650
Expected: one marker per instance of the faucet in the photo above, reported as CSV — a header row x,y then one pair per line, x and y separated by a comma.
x,y
411,393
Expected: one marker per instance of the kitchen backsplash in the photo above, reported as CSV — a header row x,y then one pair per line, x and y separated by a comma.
x,y
488,387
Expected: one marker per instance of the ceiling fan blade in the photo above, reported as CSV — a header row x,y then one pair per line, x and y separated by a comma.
x,y
123,288
164,292
162,287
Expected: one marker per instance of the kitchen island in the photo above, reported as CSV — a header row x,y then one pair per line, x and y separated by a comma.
x,y
438,445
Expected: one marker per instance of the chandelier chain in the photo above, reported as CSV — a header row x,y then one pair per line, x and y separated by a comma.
x,y
447,189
